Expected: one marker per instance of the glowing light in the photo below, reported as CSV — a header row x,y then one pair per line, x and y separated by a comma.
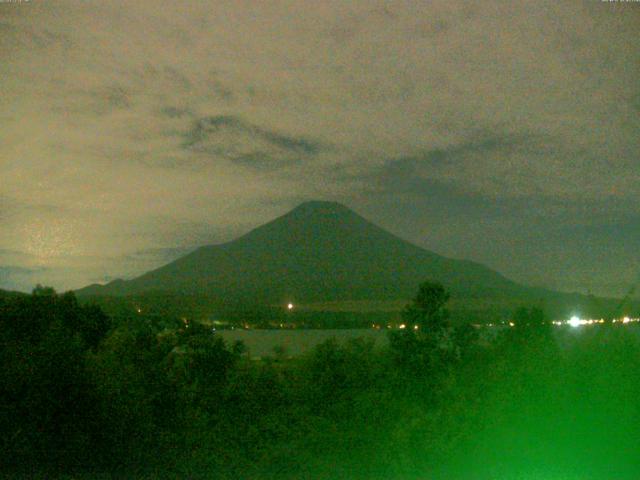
x,y
290,306
511,324
402,327
415,327
626,320
575,322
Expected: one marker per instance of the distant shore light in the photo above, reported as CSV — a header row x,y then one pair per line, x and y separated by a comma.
x,y
575,321
290,306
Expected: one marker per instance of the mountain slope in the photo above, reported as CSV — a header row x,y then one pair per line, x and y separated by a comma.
x,y
319,251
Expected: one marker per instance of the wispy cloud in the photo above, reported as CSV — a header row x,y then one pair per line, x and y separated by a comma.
x,y
229,137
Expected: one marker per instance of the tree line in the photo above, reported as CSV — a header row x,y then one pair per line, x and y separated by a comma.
x,y
85,394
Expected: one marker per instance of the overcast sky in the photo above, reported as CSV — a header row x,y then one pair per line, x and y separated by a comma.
x,y
498,131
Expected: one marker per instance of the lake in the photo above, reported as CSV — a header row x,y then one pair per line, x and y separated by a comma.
x,y
261,343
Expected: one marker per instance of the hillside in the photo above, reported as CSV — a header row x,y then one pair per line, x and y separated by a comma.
x,y
324,254
319,251
10,294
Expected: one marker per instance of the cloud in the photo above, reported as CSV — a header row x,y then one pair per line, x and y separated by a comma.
x,y
12,270
128,127
229,137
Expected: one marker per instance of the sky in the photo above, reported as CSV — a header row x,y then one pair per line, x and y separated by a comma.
x,y
502,132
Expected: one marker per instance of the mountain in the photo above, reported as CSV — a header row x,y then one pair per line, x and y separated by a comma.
x,y
10,294
318,252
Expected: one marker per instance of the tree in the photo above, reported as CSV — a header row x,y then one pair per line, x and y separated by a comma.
x,y
529,317
136,400
530,324
95,325
427,339
46,398
427,310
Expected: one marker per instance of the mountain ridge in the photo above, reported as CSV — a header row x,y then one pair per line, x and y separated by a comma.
x,y
318,251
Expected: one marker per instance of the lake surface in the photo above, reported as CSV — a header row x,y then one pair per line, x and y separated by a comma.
x,y
261,343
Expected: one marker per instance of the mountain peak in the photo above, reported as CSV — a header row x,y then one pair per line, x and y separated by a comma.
x,y
318,252
321,207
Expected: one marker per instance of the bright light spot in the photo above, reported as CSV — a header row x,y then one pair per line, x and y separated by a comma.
x,y
415,327
511,324
626,320
402,326
290,306
575,322
139,310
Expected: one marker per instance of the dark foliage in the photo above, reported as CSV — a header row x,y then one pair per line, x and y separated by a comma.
x,y
150,397
47,406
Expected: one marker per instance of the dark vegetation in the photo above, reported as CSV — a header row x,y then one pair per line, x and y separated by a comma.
x,y
131,396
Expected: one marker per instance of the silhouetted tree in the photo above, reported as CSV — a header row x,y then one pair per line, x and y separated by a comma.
x,y
427,310
95,325
532,317
46,399
135,398
427,339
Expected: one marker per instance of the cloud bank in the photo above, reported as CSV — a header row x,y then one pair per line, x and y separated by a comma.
x,y
503,132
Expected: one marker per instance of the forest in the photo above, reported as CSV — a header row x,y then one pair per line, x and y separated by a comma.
x,y
87,395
